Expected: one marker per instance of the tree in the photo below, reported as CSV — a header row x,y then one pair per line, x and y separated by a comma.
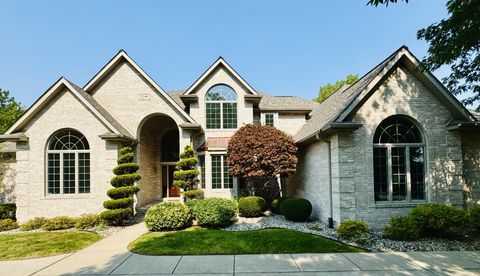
x,y
185,175
455,42
261,152
383,2
328,89
10,110
120,206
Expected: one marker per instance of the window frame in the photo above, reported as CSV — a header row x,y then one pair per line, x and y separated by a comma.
x,y
223,171
61,168
265,120
221,107
406,147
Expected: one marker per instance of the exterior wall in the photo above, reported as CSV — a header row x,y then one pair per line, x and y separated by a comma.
x,y
402,94
208,191
291,123
471,167
311,180
64,111
7,182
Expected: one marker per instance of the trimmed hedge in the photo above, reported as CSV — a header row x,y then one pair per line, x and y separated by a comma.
x,y
8,210
296,209
88,221
440,221
402,229
122,192
8,224
120,203
168,216
193,194
276,203
473,217
350,229
252,206
33,224
214,212
58,223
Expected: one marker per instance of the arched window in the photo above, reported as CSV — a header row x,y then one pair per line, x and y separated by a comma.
x,y
68,163
221,107
398,161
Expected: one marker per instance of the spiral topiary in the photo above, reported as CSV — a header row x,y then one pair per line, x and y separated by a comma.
x,y
120,206
185,175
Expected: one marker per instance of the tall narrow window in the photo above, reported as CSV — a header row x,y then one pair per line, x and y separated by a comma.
x,y
220,175
221,107
68,163
398,161
269,119
201,163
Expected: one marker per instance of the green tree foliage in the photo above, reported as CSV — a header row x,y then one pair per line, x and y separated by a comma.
x,y
10,110
384,2
186,174
328,89
120,206
455,42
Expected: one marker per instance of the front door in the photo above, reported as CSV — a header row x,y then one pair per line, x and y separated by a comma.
x,y
168,189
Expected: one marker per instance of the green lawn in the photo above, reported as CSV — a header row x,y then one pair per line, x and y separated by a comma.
x,y
196,241
41,244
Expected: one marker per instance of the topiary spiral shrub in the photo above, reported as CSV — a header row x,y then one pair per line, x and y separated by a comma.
x,y
193,194
296,209
168,216
214,212
251,206
185,175
120,206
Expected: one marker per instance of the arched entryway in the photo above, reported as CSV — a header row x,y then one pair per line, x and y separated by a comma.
x,y
158,151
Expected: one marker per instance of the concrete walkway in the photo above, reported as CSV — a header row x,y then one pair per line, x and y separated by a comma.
x,y
110,256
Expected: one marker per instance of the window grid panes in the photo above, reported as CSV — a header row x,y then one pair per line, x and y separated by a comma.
x,y
84,173
269,121
201,161
227,178
216,171
398,161
69,173
221,107
53,173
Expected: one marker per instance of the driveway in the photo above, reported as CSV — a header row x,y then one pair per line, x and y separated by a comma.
x,y
111,257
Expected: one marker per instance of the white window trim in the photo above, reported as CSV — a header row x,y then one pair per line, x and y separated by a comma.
x,y
263,118
221,114
222,175
61,152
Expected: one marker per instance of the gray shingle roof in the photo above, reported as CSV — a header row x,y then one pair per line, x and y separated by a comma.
x,y
285,103
328,110
175,95
102,111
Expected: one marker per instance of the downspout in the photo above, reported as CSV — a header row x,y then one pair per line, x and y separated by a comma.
x,y
330,189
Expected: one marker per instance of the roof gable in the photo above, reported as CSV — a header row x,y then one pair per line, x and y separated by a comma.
x,y
123,56
220,62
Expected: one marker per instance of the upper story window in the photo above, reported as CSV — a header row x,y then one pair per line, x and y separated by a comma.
x,y
398,161
269,119
221,107
68,163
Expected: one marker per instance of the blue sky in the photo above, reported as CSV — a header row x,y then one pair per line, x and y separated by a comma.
x,y
280,47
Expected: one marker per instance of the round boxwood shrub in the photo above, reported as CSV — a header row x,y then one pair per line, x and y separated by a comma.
x,y
401,229
276,203
296,209
251,206
168,216
193,194
440,221
350,229
214,212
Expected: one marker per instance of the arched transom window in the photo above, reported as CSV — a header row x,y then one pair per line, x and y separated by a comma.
x,y
68,163
399,161
221,107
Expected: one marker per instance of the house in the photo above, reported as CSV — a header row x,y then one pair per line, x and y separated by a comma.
x,y
394,139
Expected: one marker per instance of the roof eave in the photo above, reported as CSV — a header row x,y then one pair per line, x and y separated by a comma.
x,y
328,130
115,137
14,137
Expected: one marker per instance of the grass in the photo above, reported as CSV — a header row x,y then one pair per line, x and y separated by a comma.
x,y
41,244
194,241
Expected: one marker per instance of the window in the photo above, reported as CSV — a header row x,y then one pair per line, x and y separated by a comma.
x,y
220,174
398,161
269,119
221,107
68,163
201,163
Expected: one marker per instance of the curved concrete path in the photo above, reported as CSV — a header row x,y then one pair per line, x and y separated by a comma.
x,y
111,257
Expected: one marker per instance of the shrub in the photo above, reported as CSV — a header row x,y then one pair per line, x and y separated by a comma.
x,y
296,209
252,206
33,224
58,223
8,224
277,203
7,211
192,203
88,221
473,216
350,229
214,212
185,176
120,206
441,221
168,216
193,194
402,229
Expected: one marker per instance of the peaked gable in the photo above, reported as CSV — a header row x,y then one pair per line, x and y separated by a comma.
x,y
123,56
220,62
